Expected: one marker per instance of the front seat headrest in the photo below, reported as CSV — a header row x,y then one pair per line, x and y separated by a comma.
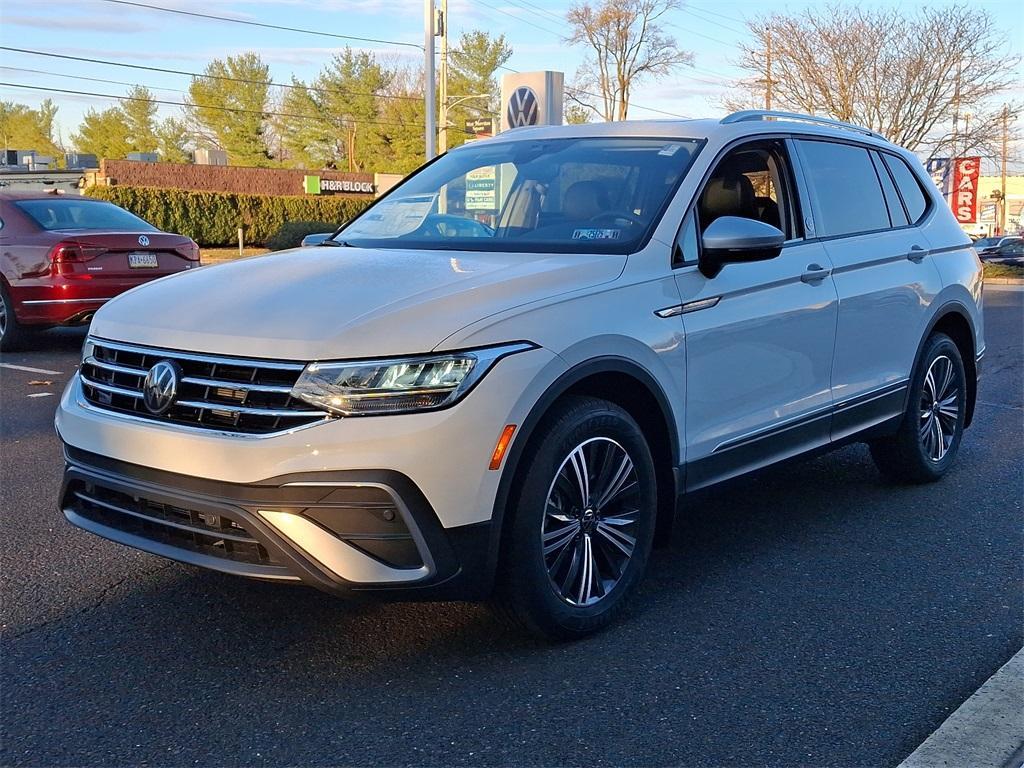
x,y
584,200
729,193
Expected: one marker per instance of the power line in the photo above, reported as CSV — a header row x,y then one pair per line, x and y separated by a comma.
x,y
522,20
90,79
599,96
698,15
237,110
264,25
722,16
555,16
206,76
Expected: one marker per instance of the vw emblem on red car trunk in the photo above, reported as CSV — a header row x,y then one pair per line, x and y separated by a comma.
x,y
143,240
160,386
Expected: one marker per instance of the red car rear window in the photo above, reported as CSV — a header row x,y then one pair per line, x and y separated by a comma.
x,y
81,213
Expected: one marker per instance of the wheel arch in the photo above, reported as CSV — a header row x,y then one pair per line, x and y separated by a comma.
x,y
954,319
625,383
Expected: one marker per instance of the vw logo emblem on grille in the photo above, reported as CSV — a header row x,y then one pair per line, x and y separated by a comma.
x,y
160,386
522,107
143,240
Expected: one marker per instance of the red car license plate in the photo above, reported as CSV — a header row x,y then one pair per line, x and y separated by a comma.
x,y
143,260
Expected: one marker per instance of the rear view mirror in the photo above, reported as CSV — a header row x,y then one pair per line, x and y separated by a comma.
x,y
734,239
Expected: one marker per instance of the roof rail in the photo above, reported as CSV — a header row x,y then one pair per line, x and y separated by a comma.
x,y
766,114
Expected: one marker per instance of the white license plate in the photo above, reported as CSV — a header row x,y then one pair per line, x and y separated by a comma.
x,y
142,260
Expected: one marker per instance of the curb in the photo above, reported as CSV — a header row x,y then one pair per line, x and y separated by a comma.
x,y
986,731
1004,281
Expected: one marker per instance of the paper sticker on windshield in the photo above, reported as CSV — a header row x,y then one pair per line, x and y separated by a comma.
x,y
669,149
596,234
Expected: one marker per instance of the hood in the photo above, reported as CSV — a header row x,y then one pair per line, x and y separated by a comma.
x,y
332,303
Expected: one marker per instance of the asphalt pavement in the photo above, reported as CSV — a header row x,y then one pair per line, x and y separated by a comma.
x,y
811,615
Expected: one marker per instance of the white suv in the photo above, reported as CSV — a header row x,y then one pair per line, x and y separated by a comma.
x,y
499,379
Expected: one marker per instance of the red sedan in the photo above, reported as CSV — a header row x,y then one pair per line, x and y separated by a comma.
x,y
63,256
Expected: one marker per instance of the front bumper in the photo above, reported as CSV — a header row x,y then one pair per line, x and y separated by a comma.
x,y
343,532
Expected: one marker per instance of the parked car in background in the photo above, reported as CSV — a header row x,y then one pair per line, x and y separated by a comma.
x,y
511,408
64,256
1010,248
987,246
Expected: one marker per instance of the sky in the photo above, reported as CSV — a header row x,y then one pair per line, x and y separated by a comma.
x,y
92,29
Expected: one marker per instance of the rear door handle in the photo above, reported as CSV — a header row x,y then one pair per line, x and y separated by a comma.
x,y
917,254
815,273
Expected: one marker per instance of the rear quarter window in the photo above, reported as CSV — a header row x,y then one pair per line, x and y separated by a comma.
x,y
844,187
908,185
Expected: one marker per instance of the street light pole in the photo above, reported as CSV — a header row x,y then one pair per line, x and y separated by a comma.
x,y
443,85
430,132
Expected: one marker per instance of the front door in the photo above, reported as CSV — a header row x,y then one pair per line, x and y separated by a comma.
x,y
759,336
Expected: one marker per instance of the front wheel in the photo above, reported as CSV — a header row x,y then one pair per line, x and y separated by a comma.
x,y
924,447
583,521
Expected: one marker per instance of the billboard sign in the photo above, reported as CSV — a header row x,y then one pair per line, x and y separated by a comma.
x,y
964,203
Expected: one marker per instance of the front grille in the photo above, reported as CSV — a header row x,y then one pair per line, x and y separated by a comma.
x,y
226,394
204,532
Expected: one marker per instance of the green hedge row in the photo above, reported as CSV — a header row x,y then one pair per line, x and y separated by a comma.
x,y
213,218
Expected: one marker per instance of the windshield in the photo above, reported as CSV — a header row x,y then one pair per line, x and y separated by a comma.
x,y
81,213
600,195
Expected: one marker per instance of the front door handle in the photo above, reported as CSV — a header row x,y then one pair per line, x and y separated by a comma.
x,y
815,273
916,254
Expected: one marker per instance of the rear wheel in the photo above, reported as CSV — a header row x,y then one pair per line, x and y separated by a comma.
x,y
583,522
926,444
11,333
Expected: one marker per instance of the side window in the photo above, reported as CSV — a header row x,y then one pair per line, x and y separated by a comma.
x,y
909,186
897,214
750,182
843,183
687,252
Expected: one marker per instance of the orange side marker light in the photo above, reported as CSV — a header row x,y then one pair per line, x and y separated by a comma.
x,y
502,445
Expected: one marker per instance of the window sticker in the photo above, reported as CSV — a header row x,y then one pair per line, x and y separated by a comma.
x,y
596,234
669,149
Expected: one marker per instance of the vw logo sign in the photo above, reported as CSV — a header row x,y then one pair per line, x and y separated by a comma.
x,y
522,107
161,386
143,240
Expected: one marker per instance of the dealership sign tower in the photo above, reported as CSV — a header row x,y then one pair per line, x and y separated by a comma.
x,y
531,98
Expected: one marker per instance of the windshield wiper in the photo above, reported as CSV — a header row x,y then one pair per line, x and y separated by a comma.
x,y
335,244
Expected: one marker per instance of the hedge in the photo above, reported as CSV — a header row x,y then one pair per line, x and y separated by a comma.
x,y
213,218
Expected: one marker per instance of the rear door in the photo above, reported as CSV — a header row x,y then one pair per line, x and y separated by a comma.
x,y
883,277
759,336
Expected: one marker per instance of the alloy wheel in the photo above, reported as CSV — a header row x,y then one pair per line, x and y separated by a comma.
x,y
940,408
590,521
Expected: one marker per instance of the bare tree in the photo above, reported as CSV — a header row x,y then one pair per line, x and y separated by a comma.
x,y
626,45
911,77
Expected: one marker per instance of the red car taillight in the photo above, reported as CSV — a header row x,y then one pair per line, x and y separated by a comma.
x,y
189,251
64,256
66,253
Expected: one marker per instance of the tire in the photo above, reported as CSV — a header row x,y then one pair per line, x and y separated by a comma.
x,y
555,541
12,335
926,444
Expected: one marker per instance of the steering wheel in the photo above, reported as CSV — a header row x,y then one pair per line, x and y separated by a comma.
x,y
619,216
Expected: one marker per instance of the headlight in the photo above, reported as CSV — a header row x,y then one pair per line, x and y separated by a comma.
x,y
402,385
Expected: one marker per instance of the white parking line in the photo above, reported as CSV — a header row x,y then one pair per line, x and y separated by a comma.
x,y
30,370
987,730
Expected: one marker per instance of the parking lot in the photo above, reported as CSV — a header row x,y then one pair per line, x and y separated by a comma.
x,y
809,615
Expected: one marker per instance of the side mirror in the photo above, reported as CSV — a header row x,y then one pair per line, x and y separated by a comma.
x,y
734,240
315,239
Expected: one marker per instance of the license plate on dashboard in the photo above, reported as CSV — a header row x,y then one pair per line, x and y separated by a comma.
x,y
142,260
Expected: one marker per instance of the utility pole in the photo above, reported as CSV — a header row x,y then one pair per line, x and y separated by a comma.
x,y
1002,182
768,68
430,133
442,29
